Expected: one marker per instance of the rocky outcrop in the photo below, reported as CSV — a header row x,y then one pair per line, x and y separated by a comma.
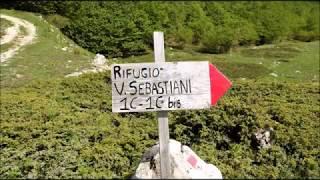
x,y
184,164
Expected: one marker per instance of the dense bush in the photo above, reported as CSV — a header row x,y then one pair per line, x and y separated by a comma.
x,y
125,28
65,129
45,7
113,29
217,41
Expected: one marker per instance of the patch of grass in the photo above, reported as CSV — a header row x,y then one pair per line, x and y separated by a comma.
x,y
44,58
273,52
5,47
57,20
4,24
241,70
286,59
304,66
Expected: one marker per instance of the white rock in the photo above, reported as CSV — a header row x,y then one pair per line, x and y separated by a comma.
x,y
276,63
74,74
103,68
19,76
99,60
314,77
263,137
274,74
297,71
64,49
99,63
184,163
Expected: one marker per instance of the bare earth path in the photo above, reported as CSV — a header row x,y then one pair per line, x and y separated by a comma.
x,y
12,34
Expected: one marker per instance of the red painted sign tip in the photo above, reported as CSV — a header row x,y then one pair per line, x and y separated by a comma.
x,y
219,84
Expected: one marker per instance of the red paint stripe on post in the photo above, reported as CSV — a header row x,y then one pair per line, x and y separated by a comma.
x,y
219,84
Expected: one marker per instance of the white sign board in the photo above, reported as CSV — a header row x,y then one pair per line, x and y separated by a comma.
x,y
160,87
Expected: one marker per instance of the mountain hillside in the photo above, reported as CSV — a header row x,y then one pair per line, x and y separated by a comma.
x,y
47,54
54,126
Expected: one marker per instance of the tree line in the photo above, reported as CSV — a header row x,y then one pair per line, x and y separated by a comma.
x,y
121,29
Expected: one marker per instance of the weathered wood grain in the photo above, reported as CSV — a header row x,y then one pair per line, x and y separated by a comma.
x,y
163,125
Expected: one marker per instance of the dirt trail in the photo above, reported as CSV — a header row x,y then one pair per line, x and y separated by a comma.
x,y
12,35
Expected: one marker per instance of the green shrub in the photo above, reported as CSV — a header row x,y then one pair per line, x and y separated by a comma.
x,y
125,28
113,30
65,129
45,7
217,40
179,38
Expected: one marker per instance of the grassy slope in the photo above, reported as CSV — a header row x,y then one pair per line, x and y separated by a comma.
x,y
284,59
44,59
4,24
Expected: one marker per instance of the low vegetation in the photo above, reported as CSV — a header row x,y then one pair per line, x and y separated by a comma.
x,y
65,129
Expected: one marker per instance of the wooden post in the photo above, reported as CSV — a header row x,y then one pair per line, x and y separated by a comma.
x,y
163,127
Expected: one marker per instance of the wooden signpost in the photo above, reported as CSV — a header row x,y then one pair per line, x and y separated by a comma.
x,y
162,86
